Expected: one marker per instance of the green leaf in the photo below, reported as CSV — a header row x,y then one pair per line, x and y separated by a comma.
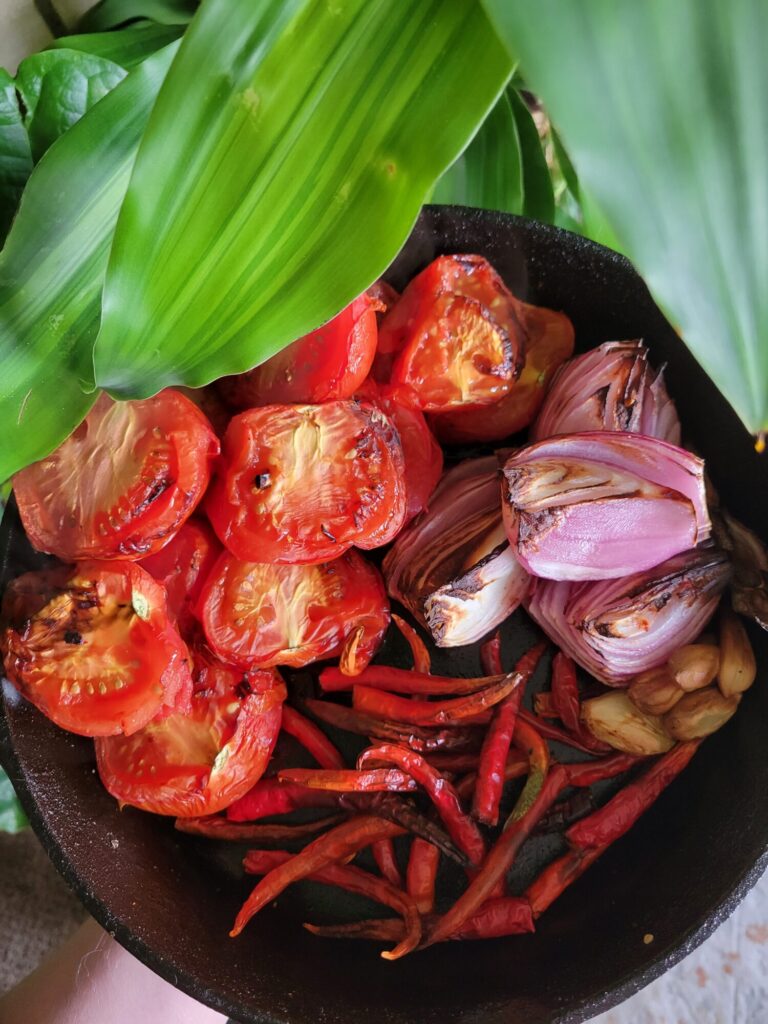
x,y
567,169
489,172
312,132
53,264
664,110
111,13
538,197
126,46
15,154
12,817
57,87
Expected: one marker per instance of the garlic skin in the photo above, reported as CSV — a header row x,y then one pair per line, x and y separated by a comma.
x,y
700,713
614,719
738,667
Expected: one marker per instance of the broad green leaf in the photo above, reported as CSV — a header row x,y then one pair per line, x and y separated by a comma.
x,y
111,13
12,817
538,197
663,107
57,87
52,269
489,171
15,154
567,169
311,133
126,46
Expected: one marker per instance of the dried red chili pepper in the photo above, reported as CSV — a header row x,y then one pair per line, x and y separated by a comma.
x,y
402,811
271,797
490,655
587,773
565,697
420,877
552,732
348,780
352,879
557,876
565,812
529,741
421,739
493,754
312,738
339,844
543,705
216,827
455,763
499,860
422,661
460,827
516,766
621,812
438,712
404,680
384,854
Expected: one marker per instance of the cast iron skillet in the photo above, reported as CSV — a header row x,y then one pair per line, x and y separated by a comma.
x,y
170,899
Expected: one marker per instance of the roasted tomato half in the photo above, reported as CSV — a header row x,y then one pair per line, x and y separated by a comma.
x,y
182,565
122,483
549,343
303,483
456,334
257,614
100,657
200,761
327,364
423,455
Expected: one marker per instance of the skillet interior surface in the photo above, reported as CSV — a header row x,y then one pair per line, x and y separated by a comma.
x,y
171,899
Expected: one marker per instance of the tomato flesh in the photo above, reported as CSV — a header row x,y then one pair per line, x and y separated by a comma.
x,y
200,761
100,657
454,337
303,483
259,614
329,363
182,565
549,343
422,454
122,483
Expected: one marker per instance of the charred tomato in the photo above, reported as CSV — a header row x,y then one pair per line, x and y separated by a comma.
x,y
122,483
182,565
100,655
259,614
199,761
303,483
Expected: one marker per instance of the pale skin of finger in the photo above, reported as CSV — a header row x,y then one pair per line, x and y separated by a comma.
x,y
90,979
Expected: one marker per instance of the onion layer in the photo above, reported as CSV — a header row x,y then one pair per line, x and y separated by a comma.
x,y
602,505
612,387
616,629
453,567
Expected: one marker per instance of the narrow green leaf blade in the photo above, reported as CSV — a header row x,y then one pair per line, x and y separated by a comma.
x,y
111,13
668,129
12,817
538,197
311,134
15,153
489,172
52,269
57,87
126,46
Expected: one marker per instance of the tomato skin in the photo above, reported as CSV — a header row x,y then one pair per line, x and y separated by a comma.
x,y
303,483
454,337
423,455
182,565
179,766
549,343
101,657
326,364
122,483
265,615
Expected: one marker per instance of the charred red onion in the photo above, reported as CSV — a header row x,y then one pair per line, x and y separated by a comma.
x,y
612,387
616,629
602,505
453,567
